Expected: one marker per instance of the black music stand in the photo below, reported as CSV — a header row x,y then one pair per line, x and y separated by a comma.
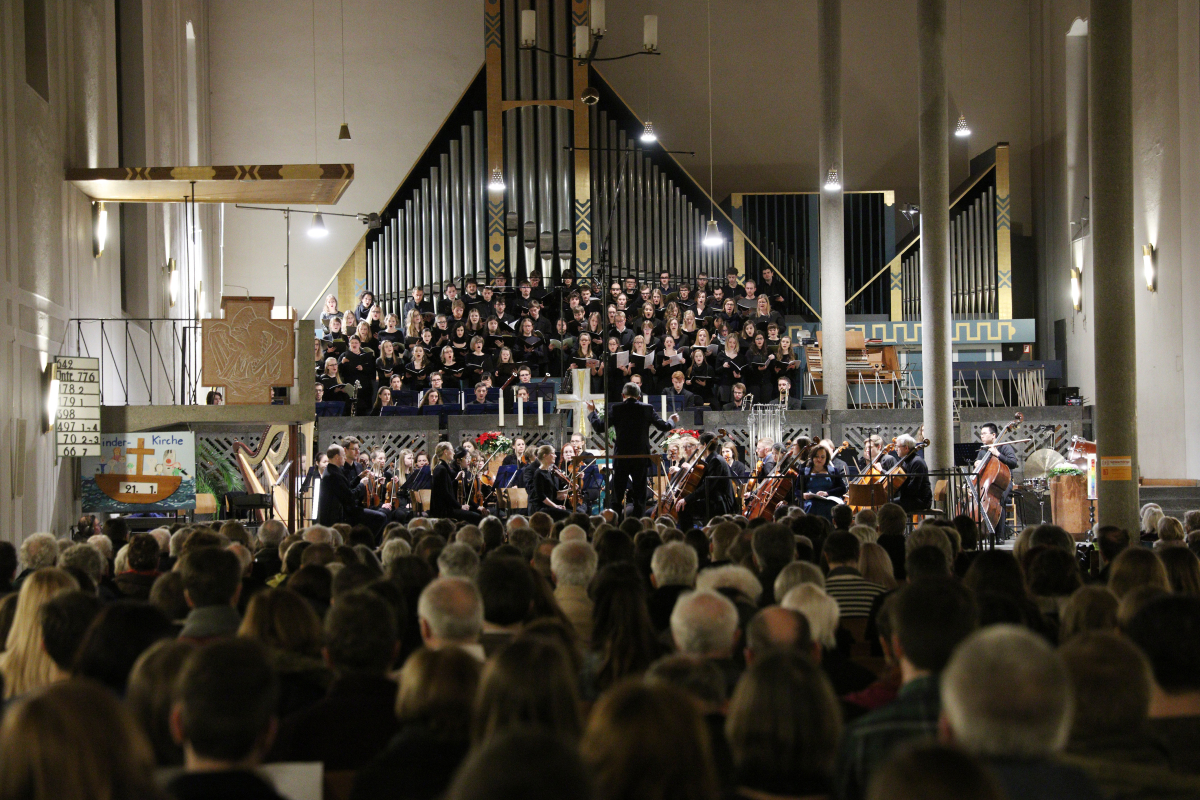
x,y
238,503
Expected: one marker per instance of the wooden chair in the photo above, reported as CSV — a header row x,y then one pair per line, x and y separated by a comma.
x,y
514,498
420,501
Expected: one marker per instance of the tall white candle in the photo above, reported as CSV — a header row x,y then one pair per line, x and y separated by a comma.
x,y
664,405
540,422
520,413
501,409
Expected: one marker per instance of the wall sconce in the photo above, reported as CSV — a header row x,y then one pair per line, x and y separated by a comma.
x,y
50,382
1076,290
99,228
1148,271
172,271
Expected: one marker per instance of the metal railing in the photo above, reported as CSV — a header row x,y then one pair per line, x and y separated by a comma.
x,y
150,361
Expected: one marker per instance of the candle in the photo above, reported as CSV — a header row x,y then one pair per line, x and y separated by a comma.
x,y
462,396
650,33
501,410
540,422
528,28
664,405
520,411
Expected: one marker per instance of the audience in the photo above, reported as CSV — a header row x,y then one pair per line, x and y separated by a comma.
x,y
582,658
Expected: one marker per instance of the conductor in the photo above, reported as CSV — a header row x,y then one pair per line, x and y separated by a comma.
x,y
631,419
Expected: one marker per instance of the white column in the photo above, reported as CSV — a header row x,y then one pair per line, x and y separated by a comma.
x,y
833,270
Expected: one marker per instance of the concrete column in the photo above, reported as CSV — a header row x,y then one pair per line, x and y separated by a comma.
x,y
1114,261
934,153
833,270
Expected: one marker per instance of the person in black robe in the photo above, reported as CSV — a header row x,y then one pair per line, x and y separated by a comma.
x,y
444,491
631,419
543,494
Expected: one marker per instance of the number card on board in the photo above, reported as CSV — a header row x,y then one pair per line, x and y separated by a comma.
x,y
139,472
77,421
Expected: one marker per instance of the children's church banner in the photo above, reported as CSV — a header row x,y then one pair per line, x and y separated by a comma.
x,y
141,472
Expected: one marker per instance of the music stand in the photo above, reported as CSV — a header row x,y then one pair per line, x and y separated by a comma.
x,y
867,495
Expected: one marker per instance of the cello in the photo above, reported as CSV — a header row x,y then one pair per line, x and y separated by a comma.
x,y
871,476
990,481
688,479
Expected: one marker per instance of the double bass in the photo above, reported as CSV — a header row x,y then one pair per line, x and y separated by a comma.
x,y
990,482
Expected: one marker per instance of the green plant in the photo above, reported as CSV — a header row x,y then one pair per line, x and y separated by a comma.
x,y
1065,469
216,475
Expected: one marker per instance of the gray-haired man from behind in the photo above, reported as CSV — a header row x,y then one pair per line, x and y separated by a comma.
x,y
573,565
450,614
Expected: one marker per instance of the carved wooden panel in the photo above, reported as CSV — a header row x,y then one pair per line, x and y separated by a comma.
x,y
247,353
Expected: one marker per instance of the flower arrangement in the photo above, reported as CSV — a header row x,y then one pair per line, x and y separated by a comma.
x,y
488,443
1064,469
679,434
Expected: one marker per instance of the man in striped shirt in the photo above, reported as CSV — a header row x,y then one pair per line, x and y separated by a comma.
x,y
844,583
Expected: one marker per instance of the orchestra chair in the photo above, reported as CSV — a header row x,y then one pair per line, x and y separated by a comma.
x,y
420,501
514,498
482,408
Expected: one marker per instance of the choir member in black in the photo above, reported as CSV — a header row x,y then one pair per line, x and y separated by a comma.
x,y
440,332
334,343
496,336
500,307
731,369
789,364
794,402
333,383
446,304
914,494
759,379
704,312
773,289
460,340
765,315
412,328
699,376
471,297
358,365
329,312
383,397
642,360
729,312
620,330
715,494
366,300
475,324
670,358
531,348
631,419
732,289
448,495
476,363
587,357
547,494
688,325
590,303
578,321
823,481
505,369
1007,456
420,303
686,399
452,371
416,373
536,290
388,364
617,376
540,324
391,331
341,500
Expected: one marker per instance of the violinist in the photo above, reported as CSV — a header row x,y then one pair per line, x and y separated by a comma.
x,y
545,494
823,481
914,493
871,448
1006,454
715,495
448,498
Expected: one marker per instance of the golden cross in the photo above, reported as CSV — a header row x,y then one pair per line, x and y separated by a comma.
x,y
140,451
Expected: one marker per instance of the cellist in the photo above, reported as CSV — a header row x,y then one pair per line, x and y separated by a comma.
x,y
716,495
871,449
1007,456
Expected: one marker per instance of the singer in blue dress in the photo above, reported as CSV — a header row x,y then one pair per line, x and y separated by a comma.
x,y
822,482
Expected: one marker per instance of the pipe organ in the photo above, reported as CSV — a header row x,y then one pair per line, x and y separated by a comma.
x,y
581,191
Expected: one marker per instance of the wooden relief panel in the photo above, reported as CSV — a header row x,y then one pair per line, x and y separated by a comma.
x,y
247,353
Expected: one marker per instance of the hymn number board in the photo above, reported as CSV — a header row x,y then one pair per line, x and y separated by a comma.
x,y
77,424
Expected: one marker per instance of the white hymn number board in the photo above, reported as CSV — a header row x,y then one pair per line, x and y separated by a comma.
x,y
77,422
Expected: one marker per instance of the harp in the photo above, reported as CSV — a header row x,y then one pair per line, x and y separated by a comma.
x,y
270,458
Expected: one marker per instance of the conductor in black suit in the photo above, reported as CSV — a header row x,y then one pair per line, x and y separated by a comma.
x,y
1007,455
341,502
631,419
443,494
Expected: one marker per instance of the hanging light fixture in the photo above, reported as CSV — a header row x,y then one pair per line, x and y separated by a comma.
x,y
497,182
712,234
344,131
962,130
648,134
317,229
832,182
